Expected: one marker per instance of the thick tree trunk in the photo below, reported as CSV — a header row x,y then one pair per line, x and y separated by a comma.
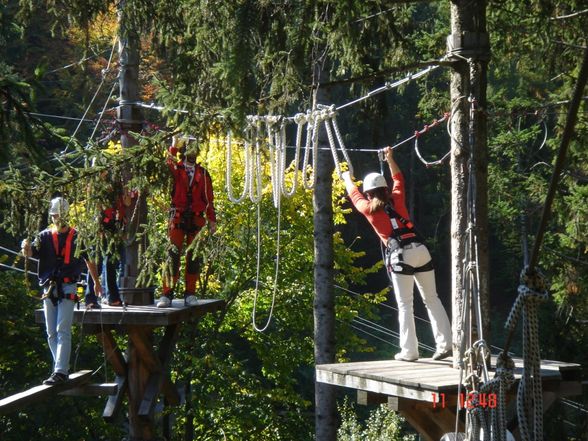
x,y
468,80
324,299
129,118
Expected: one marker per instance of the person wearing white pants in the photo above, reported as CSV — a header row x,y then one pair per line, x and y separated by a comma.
x,y
407,258
417,255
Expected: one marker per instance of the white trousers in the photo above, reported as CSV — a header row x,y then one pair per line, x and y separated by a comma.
x,y
416,256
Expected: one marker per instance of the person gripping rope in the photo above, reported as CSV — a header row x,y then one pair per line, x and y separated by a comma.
x,y
192,204
59,271
407,258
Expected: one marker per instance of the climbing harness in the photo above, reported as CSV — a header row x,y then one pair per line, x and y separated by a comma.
x,y
404,235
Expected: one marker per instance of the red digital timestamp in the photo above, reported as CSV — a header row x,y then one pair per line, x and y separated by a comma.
x,y
466,401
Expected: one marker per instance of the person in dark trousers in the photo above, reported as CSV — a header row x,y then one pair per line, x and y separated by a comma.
x,y
192,204
407,258
59,271
110,259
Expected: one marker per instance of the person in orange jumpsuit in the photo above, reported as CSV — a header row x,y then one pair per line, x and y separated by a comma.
x,y
192,205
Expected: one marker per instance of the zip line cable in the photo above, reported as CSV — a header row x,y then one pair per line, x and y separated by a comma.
x,y
30,273
100,116
388,85
48,115
574,405
387,331
104,72
77,63
16,253
368,333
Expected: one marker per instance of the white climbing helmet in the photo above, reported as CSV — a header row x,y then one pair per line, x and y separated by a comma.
x,y
374,180
59,206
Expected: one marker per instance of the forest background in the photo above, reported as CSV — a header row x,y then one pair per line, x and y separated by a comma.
x,y
241,58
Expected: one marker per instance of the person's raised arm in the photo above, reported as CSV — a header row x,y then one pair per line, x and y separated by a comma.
x,y
394,169
348,180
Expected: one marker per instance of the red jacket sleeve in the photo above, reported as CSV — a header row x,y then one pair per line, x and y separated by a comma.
x,y
171,161
209,195
359,201
398,195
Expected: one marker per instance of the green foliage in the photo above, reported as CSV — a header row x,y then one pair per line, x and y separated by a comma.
x,y
382,424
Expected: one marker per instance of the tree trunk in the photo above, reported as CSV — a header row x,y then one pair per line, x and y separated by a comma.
x,y
324,299
468,80
129,118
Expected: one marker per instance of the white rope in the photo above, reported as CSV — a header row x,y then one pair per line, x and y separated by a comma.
x,y
255,182
312,130
300,120
276,273
328,116
229,170
341,143
275,156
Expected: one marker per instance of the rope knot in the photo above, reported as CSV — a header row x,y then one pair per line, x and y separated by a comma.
x,y
533,285
300,118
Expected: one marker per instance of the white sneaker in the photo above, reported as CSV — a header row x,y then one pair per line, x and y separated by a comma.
x,y
403,357
163,302
191,300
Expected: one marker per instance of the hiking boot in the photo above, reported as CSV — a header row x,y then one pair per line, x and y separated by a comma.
x,y
56,378
440,355
164,302
190,300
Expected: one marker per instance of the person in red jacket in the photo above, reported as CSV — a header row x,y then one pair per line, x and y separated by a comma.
x,y
407,258
192,204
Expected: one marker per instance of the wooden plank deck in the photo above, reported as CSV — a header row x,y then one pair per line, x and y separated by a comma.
x,y
149,315
414,388
421,379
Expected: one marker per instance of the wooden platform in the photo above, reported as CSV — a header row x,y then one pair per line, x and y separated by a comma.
x,y
414,388
419,380
141,315
142,370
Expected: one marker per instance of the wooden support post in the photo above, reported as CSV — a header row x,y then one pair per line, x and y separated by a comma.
x,y
114,402
324,299
138,377
157,379
469,50
112,352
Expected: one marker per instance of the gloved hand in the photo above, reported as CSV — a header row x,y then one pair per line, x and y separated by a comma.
x,y
26,248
